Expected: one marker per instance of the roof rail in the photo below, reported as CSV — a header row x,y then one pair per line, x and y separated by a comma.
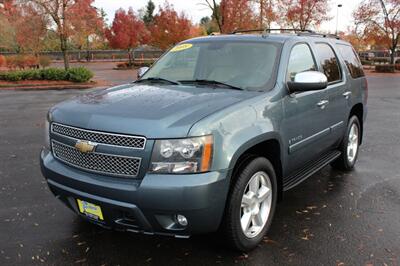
x,y
268,30
299,32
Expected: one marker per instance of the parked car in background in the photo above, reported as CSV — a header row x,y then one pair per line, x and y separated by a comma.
x,y
210,137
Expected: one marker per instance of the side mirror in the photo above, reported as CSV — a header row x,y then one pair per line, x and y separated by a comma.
x,y
308,81
141,71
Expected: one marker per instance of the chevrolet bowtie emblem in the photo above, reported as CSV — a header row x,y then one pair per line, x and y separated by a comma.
x,y
85,146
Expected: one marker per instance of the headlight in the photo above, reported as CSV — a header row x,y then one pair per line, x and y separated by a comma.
x,y
181,156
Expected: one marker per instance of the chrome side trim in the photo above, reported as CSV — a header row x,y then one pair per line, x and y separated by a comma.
x,y
308,140
337,126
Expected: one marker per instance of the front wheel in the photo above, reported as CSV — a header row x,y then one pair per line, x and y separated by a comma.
x,y
251,204
349,146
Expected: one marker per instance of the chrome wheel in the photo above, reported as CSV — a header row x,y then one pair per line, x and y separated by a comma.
x,y
256,204
352,144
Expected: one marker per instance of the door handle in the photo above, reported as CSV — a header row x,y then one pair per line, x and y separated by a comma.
x,y
347,94
322,104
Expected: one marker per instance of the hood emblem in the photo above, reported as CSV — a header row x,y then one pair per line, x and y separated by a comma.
x,y
85,146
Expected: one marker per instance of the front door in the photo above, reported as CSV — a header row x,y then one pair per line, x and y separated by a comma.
x,y
305,125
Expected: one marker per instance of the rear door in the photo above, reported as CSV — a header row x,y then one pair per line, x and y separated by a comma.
x,y
337,91
305,125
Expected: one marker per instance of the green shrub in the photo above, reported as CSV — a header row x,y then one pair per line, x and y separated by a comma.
x,y
33,74
54,74
385,68
79,74
12,76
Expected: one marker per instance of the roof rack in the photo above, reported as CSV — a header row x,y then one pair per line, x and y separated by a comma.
x,y
299,32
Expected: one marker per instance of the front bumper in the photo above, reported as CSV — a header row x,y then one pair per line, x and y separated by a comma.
x,y
147,205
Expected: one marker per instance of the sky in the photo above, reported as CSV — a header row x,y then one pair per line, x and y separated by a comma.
x,y
196,11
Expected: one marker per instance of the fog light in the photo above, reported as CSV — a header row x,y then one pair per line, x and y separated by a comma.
x,y
181,220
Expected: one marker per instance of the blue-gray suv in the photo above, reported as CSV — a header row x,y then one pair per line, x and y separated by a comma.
x,y
210,136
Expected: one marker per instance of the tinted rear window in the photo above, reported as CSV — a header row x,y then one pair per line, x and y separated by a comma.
x,y
329,62
352,62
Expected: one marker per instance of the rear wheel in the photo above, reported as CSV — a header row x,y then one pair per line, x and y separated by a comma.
x,y
350,146
251,204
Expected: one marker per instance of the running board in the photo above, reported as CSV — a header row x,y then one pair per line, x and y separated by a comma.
x,y
309,169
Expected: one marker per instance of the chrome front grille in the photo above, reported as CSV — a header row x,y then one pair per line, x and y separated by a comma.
x,y
97,162
135,142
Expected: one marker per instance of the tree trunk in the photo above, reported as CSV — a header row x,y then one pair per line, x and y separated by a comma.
x,y
392,55
65,52
87,49
261,13
130,57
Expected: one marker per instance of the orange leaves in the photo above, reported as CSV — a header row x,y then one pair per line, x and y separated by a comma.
x,y
237,15
378,21
169,27
85,21
3,61
303,14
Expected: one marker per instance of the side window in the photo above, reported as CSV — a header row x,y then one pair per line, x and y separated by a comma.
x,y
300,60
329,62
351,59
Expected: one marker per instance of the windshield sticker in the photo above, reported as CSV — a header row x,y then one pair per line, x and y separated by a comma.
x,y
181,47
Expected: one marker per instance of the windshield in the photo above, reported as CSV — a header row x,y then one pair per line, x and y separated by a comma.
x,y
242,64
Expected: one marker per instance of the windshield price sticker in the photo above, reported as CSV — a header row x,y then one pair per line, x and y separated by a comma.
x,y
182,47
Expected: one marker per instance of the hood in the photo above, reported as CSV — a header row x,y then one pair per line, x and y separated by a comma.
x,y
147,110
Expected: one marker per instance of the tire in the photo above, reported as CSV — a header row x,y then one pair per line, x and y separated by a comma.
x,y
346,161
258,224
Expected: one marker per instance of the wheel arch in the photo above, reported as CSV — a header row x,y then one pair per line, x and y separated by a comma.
x,y
358,110
269,146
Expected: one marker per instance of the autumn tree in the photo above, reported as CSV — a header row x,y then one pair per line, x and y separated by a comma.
x,y
87,24
380,19
357,41
303,14
169,27
127,32
7,29
237,15
30,28
266,12
59,12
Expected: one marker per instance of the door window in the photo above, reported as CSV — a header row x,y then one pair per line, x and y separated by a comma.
x,y
329,62
351,59
301,60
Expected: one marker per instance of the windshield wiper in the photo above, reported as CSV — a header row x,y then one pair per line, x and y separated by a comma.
x,y
211,82
155,79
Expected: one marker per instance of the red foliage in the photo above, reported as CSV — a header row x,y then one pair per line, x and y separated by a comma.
x,y
85,21
127,31
379,22
169,27
3,61
237,15
30,28
303,14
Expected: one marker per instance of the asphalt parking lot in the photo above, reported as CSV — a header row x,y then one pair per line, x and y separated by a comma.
x,y
333,218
